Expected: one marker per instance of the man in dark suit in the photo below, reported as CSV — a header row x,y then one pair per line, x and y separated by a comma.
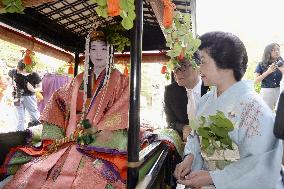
x,y
176,96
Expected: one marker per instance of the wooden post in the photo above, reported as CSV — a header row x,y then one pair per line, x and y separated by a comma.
x,y
76,64
135,86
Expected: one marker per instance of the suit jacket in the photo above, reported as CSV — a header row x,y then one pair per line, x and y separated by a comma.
x,y
175,106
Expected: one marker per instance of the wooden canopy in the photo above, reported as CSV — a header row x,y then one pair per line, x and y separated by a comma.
x,y
64,25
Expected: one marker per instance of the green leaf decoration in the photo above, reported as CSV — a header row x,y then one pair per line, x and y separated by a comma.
x,y
13,6
127,11
179,39
167,75
127,23
101,11
85,139
205,143
101,2
86,123
204,131
115,34
214,132
194,124
221,121
219,131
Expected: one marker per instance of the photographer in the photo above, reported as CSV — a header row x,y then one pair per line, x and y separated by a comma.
x,y
25,86
269,74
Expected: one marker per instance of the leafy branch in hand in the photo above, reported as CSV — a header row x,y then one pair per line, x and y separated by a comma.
x,y
214,132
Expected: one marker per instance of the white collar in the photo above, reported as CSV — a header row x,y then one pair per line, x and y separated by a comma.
x,y
196,89
98,71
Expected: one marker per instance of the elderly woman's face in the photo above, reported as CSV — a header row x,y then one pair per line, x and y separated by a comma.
x,y
98,53
210,73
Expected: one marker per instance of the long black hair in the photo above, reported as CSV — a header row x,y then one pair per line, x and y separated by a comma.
x,y
266,57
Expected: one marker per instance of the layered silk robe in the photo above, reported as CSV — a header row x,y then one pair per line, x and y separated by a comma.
x,y
260,153
102,164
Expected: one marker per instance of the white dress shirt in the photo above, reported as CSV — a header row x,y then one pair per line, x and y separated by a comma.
x,y
193,96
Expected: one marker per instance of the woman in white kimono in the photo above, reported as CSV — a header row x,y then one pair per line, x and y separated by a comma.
x,y
223,64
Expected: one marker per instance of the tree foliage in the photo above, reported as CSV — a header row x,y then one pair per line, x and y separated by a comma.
x,y
9,53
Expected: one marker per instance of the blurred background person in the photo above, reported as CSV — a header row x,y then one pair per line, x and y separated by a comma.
x,y
3,86
25,86
268,73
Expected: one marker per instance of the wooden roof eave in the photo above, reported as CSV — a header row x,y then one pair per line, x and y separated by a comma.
x,y
33,44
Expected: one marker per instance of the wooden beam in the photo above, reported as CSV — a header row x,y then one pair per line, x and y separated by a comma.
x,y
29,42
146,58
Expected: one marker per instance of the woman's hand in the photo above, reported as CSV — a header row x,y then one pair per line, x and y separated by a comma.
x,y
185,132
197,179
272,68
183,168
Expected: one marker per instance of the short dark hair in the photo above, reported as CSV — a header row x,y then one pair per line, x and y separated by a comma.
x,y
197,57
21,65
227,50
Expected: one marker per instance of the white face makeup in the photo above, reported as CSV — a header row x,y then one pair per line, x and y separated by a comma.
x,y
98,54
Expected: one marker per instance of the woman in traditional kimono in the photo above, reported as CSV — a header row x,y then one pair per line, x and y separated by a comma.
x,y
223,64
84,140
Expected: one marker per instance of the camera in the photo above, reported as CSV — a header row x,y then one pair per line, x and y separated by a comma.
x,y
17,93
279,63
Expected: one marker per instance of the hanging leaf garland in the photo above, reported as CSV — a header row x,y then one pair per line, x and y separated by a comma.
x,y
113,7
115,34
127,13
29,60
12,6
179,38
168,13
126,10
